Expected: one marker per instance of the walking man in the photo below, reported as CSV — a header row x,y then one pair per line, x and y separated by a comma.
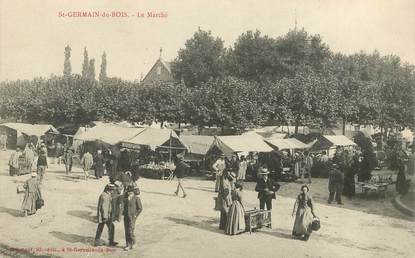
x,y
180,172
87,161
132,208
104,216
336,182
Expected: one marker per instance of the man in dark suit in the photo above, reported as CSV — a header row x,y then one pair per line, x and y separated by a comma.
x,y
266,189
132,208
336,183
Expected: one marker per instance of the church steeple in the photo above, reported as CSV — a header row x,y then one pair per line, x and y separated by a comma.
x,y
161,52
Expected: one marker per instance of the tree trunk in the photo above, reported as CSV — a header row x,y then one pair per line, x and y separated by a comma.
x,y
344,126
296,126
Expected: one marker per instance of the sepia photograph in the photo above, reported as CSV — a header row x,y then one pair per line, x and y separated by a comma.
x,y
207,129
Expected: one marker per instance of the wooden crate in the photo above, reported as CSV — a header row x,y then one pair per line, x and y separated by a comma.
x,y
256,219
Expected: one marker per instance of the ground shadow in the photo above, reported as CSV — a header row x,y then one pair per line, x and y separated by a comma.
x,y
13,212
72,238
197,224
19,181
158,193
94,208
83,215
8,251
70,178
279,234
201,189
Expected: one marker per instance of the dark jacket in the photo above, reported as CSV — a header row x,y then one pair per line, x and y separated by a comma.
x,y
336,180
132,207
263,188
181,169
42,160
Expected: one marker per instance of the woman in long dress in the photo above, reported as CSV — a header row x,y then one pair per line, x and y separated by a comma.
x,y
236,215
304,215
223,200
31,195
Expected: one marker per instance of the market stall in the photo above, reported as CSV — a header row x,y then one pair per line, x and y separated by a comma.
x,y
19,134
158,148
329,143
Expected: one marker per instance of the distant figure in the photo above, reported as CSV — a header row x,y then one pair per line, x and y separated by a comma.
x,y
180,173
219,167
68,157
87,162
243,166
308,164
132,208
3,141
99,163
42,164
29,156
59,151
266,189
31,195
14,162
104,216
336,181
235,223
304,215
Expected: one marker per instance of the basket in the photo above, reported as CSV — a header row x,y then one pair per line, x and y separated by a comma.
x,y
315,225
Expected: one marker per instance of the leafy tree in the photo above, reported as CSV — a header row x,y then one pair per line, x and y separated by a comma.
x,y
200,60
91,69
67,69
103,71
253,57
85,64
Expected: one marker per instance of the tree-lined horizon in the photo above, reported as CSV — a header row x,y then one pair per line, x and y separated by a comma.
x,y
293,79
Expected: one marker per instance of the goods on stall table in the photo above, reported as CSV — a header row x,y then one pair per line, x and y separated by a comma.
x,y
158,171
256,219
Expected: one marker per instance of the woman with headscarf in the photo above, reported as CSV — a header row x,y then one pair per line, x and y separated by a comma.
x,y
31,195
236,215
304,215
224,197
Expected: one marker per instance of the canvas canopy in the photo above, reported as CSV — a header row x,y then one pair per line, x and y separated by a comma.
x,y
154,138
286,144
197,144
107,133
327,142
31,130
240,143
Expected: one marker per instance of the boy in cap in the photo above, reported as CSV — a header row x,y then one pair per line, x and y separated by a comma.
x,y
132,207
104,216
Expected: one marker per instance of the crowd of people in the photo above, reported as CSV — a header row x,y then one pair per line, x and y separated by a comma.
x,y
120,197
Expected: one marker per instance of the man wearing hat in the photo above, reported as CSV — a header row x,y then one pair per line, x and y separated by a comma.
x,y
132,207
42,164
104,216
218,167
266,189
336,182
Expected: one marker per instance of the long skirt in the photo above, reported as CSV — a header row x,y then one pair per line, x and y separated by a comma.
x,y
29,203
235,223
303,220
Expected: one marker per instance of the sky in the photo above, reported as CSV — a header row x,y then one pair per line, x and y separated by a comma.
x,y
33,36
